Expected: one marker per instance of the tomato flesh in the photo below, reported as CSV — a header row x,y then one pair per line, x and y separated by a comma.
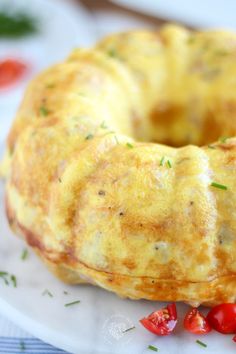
x,y
196,323
11,70
161,322
234,338
223,318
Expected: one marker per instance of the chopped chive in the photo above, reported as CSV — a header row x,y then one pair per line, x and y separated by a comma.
x,y
16,24
5,281
47,292
43,111
2,274
22,346
218,185
221,52
14,282
110,132
112,53
59,180
72,303
151,347
65,292
169,163
103,125
211,146
11,151
6,277
89,136
201,343
129,145
223,139
129,329
162,161
50,86
24,254
116,139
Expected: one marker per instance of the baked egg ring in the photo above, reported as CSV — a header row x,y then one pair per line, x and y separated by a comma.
x,y
112,172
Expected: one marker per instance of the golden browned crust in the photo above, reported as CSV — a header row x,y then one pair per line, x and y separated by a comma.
x,y
100,206
73,271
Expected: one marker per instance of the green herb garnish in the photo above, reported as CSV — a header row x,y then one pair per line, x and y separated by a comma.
x,y
169,163
44,111
7,278
223,139
211,146
24,254
151,347
201,343
50,86
72,303
89,136
47,292
16,25
103,125
218,185
22,346
221,52
4,276
14,282
116,139
112,53
129,145
162,161
110,132
128,329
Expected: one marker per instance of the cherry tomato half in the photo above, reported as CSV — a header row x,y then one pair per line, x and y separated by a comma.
x,y
161,322
11,70
223,318
195,322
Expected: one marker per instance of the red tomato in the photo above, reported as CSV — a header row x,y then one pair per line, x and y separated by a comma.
x,y
195,322
10,71
223,318
161,322
234,338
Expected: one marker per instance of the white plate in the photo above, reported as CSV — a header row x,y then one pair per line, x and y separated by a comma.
x,y
96,324
63,25
201,13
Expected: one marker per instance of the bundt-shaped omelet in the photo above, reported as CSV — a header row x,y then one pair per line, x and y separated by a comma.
x,y
95,196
